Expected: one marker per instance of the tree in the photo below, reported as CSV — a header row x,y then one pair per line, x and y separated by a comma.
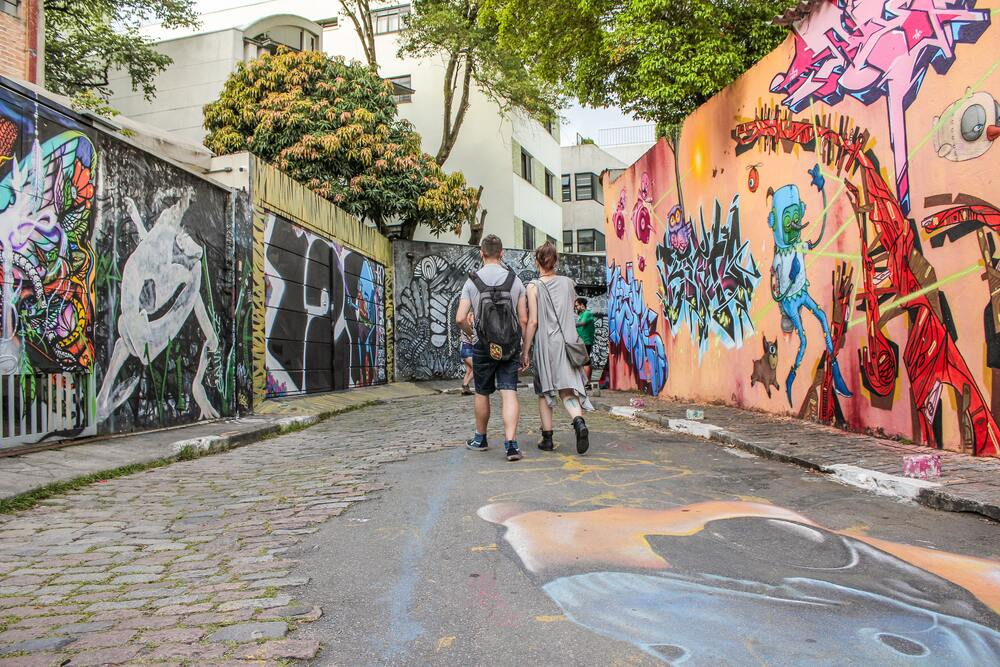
x,y
86,39
332,126
360,14
453,30
656,59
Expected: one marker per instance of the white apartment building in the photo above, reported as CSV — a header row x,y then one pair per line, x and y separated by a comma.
x,y
202,63
581,192
583,197
515,158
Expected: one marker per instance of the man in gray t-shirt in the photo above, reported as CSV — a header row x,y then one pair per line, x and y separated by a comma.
x,y
490,374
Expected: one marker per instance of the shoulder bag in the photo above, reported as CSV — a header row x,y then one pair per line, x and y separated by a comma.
x,y
575,352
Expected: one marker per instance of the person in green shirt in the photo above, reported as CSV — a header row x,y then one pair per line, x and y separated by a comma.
x,y
585,328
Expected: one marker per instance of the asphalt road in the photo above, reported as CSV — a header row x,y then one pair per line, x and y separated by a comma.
x,y
654,549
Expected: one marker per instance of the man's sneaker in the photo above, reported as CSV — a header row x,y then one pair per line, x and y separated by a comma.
x,y
513,453
477,446
582,435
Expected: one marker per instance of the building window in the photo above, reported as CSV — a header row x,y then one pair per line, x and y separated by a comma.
x,y
568,241
550,239
588,187
402,86
550,184
528,236
589,240
525,165
389,20
10,6
550,126
567,188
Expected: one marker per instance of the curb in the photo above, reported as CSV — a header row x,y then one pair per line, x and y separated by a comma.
x,y
929,494
181,450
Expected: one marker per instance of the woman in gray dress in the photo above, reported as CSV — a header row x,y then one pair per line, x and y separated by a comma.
x,y
552,324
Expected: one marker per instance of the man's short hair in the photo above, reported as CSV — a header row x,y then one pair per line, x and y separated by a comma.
x,y
491,247
580,300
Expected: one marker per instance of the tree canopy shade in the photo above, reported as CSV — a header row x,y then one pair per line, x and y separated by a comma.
x,y
86,39
656,59
468,45
332,126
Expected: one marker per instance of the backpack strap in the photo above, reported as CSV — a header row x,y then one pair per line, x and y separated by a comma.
x,y
508,284
478,282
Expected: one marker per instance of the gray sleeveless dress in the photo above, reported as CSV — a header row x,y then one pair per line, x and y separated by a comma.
x,y
552,368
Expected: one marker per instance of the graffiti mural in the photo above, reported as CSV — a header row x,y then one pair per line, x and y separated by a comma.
x,y
883,294
868,50
168,284
47,197
708,277
429,280
632,330
690,585
325,313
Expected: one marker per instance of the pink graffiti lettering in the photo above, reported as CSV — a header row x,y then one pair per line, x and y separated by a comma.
x,y
867,49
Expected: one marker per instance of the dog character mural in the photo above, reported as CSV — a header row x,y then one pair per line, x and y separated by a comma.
x,y
789,285
735,583
765,369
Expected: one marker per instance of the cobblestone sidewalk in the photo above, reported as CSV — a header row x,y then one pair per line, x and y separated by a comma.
x,y
185,564
967,483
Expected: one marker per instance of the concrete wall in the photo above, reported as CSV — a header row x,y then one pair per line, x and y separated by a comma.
x,y
429,279
883,312
125,283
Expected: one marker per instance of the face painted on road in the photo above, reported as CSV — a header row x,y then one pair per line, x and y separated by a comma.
x,y
693,583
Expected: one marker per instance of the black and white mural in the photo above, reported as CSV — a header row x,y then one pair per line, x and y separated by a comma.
x,y
429,279
324,313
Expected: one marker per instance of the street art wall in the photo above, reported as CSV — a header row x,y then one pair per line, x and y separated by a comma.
x,y
123,283
322,293
325,313
171,294
48,164
820,239
429,280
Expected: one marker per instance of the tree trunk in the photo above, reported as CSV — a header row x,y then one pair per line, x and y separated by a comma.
x,y
451,127
360,13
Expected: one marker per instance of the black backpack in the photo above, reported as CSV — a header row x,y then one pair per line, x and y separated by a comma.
x,y
496,324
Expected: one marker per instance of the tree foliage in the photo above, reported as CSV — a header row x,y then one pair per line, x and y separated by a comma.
x,y
332,126
656,59
469,46
86,39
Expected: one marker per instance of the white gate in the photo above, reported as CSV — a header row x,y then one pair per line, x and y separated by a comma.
x,y
42,408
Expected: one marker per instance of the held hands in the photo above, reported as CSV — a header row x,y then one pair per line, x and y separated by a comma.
x,y
525,359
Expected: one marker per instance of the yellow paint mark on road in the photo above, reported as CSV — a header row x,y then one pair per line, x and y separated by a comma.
x,y
601,499
554,618
445,642
754,499
488,547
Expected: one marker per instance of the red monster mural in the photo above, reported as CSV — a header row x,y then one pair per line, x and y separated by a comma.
x,y
895,276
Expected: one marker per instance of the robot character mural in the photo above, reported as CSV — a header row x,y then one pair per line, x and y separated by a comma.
x,y
160,288
789,285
